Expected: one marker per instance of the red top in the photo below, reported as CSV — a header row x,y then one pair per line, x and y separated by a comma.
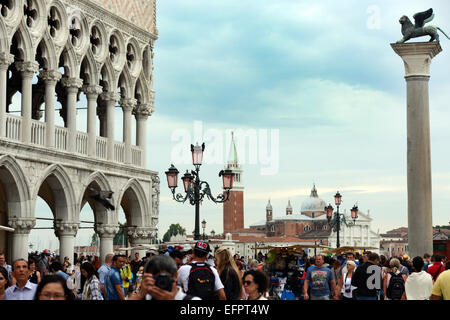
x,y
434,269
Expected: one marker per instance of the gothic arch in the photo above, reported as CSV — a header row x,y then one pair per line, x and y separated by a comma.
x,y
108,77
56,189
70,62
141,90
4,43
134,202
91,73
49,55
15,186
24,44
126,84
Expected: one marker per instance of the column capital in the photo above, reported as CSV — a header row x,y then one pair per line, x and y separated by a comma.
x,y
92,91
143,111
139,234
417,56
27,68
63,228
106,230
128,104
22,225
72,83
6,59
50,76
110,96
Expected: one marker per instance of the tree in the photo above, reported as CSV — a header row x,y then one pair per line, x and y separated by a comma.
x,y
121,238
174,229
94,240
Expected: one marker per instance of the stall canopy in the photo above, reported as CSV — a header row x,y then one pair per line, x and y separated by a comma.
x,y
342,250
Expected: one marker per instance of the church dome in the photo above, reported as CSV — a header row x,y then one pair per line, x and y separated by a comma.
x,y
313,203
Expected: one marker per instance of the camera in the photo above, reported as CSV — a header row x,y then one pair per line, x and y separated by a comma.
x,y
347,290
163,281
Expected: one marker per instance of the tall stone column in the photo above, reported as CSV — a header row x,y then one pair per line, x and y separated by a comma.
x,y
110,99
6,60
72,86
27,70
92,93
127,107
417,60
50,78
142,112
66,232
22,228
106,234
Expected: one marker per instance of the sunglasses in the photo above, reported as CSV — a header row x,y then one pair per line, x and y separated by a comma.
x,y
248,283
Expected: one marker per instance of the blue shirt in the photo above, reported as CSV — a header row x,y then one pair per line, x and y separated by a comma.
x,y
27,293
103,272
111,280
319,279
63,275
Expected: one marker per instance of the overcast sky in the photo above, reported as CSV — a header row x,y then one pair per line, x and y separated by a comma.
x,y
318,84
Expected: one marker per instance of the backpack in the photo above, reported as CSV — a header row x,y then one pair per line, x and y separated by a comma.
x,y
396,287
201,281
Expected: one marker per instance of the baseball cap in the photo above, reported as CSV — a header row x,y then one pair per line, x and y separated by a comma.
x,y
202,246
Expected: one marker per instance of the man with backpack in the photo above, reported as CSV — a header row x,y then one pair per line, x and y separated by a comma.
x,y
394,285
200,279
367,278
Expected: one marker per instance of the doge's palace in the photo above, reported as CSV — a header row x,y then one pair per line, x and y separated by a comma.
x,y
52,52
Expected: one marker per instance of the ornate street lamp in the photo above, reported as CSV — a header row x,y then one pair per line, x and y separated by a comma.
x,y
338,218
196,189
204,227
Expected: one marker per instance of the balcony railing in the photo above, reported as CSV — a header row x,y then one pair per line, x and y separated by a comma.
x,y
38,137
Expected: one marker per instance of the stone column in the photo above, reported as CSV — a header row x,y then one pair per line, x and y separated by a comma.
x,y
27,70
106,234
142,112
22,228
66,232
6,60
92,93
72,86
417,60
127,107
110,99
50,78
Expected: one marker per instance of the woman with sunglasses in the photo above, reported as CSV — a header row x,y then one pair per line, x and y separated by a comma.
x,y
255,284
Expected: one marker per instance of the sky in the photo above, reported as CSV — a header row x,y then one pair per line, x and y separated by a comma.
x,y
317,87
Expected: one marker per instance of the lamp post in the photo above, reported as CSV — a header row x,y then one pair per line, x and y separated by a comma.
x,y
195,188
338,218
204,227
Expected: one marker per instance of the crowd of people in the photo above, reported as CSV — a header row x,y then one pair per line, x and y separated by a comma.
x,y
186,273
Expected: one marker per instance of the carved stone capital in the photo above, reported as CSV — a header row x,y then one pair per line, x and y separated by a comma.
x,y
51,77
93,91
63,228
137,233
128,104
110,96
6,60
72,84
143,111
22,225
417,56
106,231
28,68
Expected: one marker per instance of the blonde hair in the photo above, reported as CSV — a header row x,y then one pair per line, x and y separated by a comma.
x,y
351,263
394,264
224,260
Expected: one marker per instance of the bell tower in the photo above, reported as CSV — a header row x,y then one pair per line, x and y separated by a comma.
x,y
233,209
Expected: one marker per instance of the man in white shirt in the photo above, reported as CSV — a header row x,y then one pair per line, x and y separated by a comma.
x,y
23,289
419,284
200,255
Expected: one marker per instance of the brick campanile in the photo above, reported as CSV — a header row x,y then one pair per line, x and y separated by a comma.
x,y
233,209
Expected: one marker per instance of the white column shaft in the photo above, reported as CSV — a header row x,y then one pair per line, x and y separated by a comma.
x,y
71,118
127,134
141,138
66,247
19,246
27,79
110,128
92,125
3,80
50,113
106,247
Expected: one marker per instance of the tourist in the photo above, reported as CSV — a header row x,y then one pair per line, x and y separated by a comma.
x,y
229,274
361,276
344,288
441,288
349,256
113,281
44,262
23,289
255,284
394,282
66,265
53,287
321,280
3,264
139,276
437,268
91,288
126,274
426,261
337,269
135,266
103,272
419,283
4,282
56,267
199,269
35,275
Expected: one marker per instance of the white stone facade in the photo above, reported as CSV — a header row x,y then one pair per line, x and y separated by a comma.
x,y
56,50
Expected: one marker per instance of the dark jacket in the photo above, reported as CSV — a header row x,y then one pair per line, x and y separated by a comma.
x,y
231,285
359,280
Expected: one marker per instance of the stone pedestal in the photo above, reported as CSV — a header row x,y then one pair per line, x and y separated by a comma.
x,y
417,59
